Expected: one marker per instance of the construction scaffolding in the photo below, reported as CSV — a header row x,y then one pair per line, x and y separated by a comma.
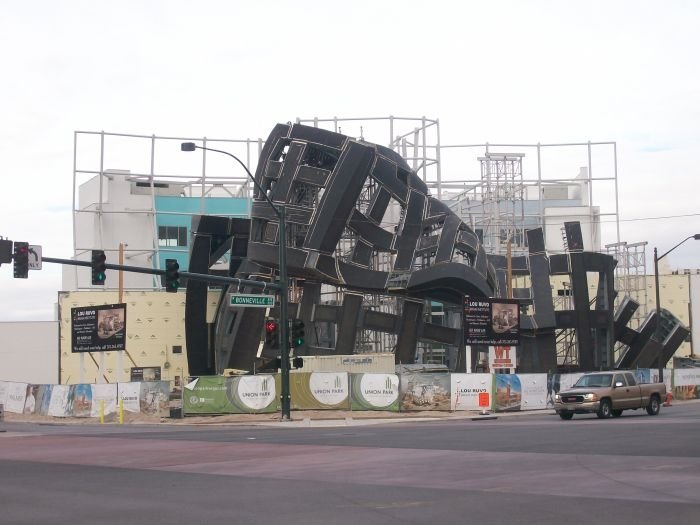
x,y
499,190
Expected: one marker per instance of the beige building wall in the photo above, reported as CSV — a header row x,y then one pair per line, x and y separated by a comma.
x,y
155,330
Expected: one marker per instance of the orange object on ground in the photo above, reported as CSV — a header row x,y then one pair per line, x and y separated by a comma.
x,y
484,399
669,397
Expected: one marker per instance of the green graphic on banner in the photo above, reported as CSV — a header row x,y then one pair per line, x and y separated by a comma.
x,y
207,396
374,392
319,390
231,395
254,394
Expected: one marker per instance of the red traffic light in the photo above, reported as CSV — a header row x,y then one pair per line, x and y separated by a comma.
x,y
270,326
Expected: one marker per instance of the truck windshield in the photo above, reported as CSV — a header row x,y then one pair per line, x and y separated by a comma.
x,y
596,380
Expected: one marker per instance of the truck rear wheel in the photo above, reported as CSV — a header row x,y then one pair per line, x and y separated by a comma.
x,y
605,409
654,406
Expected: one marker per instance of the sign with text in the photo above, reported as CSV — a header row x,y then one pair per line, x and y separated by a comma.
x,y
491,321
252,300
501,357
145,373
98,328
34,257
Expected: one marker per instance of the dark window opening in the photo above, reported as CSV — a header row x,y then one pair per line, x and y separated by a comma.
x,y
172,236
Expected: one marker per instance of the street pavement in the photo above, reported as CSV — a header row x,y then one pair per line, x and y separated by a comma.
x,y
525,468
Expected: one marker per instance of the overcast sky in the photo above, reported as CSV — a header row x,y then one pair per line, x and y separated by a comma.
x,y
496,71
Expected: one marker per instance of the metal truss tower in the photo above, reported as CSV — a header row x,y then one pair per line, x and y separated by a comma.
x,y
631,276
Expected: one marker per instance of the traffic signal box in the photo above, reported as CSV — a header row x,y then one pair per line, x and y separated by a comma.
x,y
272,336
99,268
297,333
5,251
172,275
21,260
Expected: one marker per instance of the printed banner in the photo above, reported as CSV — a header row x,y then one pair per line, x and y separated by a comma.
x,y
106,393
43,399
686,376
254,394
524,391
16,395
508,394
98,328
374,392
3,392
534,390
319,390
425,391
466,389
60,395
231,395
80,401
686,383
207,395
130,394
154,398
491,321
30,399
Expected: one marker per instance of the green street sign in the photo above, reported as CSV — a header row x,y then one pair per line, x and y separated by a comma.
x,y
252,300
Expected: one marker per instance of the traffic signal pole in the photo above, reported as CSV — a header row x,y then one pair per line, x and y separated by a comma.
x,y
190,275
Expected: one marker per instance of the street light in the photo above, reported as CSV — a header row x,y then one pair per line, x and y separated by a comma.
x,y
657,330
283,286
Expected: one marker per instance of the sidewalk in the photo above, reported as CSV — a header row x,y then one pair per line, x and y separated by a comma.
x,y
299,418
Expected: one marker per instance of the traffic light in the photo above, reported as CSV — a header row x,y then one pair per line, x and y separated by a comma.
x,y
271,333
5,251
172,275
99,267
297,333
21,260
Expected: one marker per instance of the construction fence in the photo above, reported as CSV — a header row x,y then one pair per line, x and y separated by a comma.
x,y
214,395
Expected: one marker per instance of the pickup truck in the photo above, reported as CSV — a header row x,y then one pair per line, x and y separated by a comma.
x,y
608,394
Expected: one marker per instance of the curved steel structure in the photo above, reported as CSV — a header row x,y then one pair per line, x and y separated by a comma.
x,y
359,219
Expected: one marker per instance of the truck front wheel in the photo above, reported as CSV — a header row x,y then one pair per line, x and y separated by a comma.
x,y
566,415
654,406
605,409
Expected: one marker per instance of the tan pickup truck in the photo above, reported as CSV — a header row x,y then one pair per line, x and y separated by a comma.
x,y
608,394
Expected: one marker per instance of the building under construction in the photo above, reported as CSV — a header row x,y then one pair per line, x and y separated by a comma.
x,y
524,218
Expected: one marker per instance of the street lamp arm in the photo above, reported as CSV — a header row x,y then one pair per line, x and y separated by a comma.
x,y
696,237
283,287
657,331
188,146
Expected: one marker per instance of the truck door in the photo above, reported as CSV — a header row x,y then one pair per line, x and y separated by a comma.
x,y
621,394
634,389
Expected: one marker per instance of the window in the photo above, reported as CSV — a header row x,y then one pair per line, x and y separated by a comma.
x,y
177,349
172,236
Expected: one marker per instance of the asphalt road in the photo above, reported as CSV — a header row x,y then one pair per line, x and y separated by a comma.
x,y
516,469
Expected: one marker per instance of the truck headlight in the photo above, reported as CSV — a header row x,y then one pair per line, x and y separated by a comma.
x,y
557,397
590,397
